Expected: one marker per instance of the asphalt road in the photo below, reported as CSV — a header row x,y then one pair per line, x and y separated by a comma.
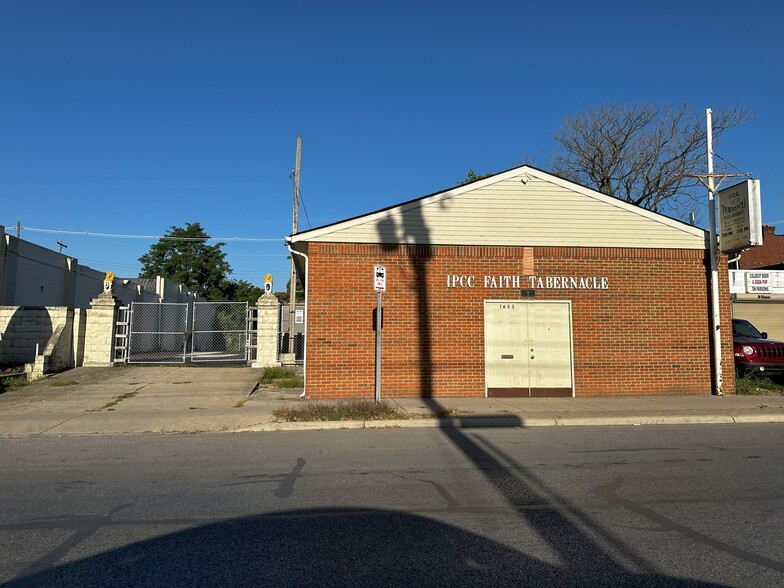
x,y
660,506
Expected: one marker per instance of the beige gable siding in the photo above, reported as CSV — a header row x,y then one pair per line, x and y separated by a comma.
x,y
509,212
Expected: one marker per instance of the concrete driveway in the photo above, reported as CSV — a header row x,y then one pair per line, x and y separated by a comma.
x,y
130,399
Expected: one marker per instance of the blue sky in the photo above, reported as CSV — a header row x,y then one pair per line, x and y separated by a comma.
x,y
131,117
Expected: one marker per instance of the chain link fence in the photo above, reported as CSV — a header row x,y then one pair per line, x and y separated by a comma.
x,y
219,331
158,332
284,333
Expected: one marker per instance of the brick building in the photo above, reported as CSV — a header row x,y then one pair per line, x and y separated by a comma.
x,y
769,255
520,284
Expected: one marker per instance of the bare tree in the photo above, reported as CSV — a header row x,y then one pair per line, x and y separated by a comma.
x,y
637,153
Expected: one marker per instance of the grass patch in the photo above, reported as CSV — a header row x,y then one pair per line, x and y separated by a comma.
x,y
240,404
296,382
281,377
348,410
14,383
61,383
117,400
756,386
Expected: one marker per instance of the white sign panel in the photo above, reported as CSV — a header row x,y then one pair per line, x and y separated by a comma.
x,y
740,216
757,282
380,278
299,316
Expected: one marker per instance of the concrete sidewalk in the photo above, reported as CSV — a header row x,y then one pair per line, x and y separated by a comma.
x,y
167,399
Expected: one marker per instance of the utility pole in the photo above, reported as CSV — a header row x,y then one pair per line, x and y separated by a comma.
x,y
714,251
708,180
714,254
294,225
18,229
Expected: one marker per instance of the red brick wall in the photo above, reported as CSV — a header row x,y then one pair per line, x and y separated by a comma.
x,y
648,333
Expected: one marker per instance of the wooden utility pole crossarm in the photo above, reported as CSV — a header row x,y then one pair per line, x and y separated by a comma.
x,y
707,179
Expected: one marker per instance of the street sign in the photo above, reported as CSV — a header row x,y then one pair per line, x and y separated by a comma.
x,y
379,285
380,278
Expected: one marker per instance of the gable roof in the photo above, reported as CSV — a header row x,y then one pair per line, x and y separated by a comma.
x,y
522,206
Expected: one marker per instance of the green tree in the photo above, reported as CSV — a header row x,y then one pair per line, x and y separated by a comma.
x,y
472,177
639,152
300,292
183,256
241,291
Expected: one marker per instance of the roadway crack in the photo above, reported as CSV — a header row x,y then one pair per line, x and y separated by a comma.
x,y
609,492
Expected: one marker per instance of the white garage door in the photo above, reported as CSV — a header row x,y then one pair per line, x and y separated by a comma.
x,y
766,315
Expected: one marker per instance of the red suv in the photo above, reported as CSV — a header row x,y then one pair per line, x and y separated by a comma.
x,y
754,352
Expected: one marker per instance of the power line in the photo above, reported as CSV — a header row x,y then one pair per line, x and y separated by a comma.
x,y
122,236
305,210
733,166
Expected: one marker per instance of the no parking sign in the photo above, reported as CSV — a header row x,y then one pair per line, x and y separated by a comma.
x,y
380,278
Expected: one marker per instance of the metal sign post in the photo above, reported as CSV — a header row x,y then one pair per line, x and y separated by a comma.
x,y
379,285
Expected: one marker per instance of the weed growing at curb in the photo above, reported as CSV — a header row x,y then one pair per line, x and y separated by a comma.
x,y
756,386
240,404
348,410
281,377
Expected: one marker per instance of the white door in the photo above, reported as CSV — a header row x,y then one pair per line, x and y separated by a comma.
x,y
506,338
528,348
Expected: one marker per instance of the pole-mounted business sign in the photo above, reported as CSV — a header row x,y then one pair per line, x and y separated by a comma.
x,y
740,216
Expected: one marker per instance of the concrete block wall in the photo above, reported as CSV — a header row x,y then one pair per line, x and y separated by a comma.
x,y
647,333
22,328
58,355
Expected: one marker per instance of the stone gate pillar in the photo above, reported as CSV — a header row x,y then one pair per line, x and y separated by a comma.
x,y
267,332
99,334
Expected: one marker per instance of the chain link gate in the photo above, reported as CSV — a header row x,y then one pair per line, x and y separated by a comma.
x,y
220,331
158,332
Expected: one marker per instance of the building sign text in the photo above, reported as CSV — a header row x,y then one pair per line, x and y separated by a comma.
x,y
540,282
757,282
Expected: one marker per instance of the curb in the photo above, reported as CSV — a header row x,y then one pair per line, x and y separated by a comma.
x,y
508,421
514,422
